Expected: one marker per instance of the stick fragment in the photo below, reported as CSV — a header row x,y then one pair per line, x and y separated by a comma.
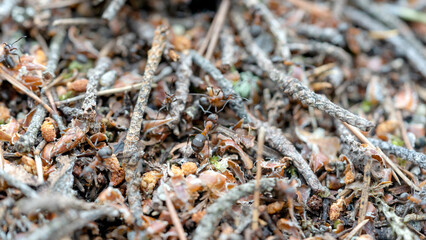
x,y
133,165
54,54
395,167
292,86
214,212
27,141
275,27
112,9
89,103
401,152
24,188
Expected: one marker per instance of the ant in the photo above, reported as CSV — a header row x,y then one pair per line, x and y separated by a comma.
x,y
9,50
167,102
200,139
214,97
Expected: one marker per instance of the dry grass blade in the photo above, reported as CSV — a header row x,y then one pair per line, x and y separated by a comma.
x,y
21,87
221,14
259,159
174,216
356,229
394,167
363,201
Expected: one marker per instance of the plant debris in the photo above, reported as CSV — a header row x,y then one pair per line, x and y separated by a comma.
x,y
226,119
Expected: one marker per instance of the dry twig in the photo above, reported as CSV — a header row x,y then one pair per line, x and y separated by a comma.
x,y
292,86
54,54
24,188
214,213
112,9
274,26
89,103
27,141
386,159
401,152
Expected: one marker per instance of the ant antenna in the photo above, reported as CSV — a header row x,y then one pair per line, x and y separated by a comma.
x,y
18,39
205,111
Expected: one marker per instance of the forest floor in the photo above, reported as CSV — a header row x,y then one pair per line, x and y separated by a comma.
x,y
190,119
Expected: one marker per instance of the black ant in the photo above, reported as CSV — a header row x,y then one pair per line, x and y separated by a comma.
x,y
9,50
200,139
214,97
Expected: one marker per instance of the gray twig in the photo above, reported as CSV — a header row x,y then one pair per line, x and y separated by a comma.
x,y
112,9
274,26
94,74
278,141
133,165
27,141
214,212
184,71
24,188
69,222
350,146
292,86
401,152
227,44
330,35
415,57
322,47
54,54
397,224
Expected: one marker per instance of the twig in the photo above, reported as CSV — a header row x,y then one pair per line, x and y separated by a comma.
x,y
363,201
350,146
407,154
154,57
44,202
107,80
78,21
381,13
403,130
72,111
221,14
133,165
61,4
292,86
236,102
330,35
326,48
415,217
27,141
24,188
415,57
89,103
261,143
356,229
62,179
214,212
54,54
278,141
227,44
396,222
69,222
112,9
183,73
395,167
166,71
174,216
20,86
274,26
6,8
